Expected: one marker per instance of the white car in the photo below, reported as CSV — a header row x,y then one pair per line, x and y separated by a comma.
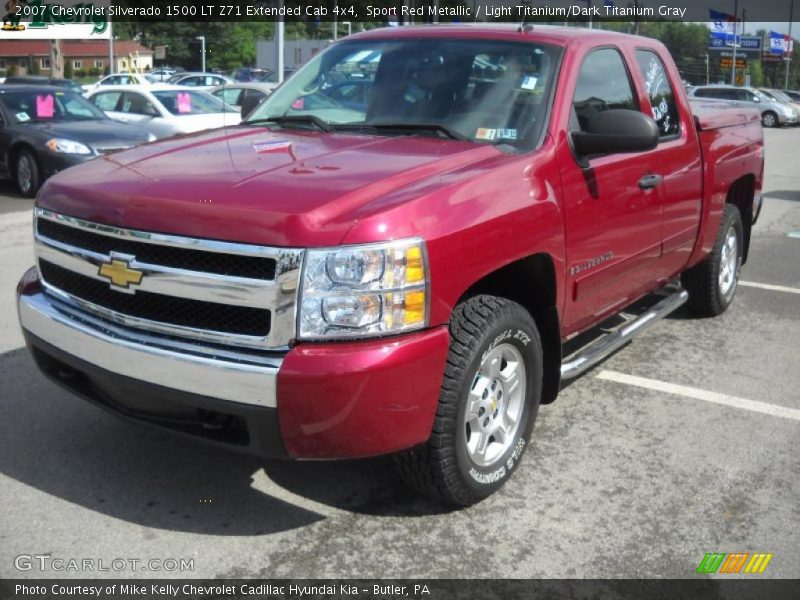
x,y
164,110
116,79
203,81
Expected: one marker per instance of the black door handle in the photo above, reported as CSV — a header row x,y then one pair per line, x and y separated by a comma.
x,y
648,182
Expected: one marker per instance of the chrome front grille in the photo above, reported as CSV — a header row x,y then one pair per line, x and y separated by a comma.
x,y
211,291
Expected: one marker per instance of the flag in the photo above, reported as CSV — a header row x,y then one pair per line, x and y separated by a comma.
x,y
722,25
780,43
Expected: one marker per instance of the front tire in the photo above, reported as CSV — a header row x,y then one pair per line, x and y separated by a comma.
x,y
488,404
769,119
712,283
26,174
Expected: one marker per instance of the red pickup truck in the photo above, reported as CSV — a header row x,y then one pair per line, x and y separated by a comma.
x,y
388,255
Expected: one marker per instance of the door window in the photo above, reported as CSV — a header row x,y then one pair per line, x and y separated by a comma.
x,y
107,100
659,90
138,105
231,96
603,84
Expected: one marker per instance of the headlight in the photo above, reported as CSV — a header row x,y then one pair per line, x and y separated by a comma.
x,y
63,146
364,291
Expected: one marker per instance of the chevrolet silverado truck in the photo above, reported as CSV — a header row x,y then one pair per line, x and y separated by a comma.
x,y
395,268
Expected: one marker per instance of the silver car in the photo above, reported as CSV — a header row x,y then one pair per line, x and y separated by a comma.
x,y
773,114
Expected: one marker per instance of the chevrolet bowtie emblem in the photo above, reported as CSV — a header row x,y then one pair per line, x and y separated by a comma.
x,y
120,274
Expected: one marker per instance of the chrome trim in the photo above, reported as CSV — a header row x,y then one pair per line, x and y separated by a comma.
x,y
278,295
180,283
592,354
206,335
225,375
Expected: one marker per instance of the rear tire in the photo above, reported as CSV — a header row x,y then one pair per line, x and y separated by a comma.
x,y
712,283
488,404
26,174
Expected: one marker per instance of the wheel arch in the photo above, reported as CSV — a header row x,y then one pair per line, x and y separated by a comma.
x,y
14,152
531,282
742,194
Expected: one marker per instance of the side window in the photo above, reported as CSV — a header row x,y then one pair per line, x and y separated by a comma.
x,y
603,84
746,95
232,96
659,90
138,105
107,100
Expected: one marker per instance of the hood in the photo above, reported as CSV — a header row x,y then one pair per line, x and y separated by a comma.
x,y
254,185
100,134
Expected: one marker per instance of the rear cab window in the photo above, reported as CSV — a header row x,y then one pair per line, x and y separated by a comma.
x,y
659,92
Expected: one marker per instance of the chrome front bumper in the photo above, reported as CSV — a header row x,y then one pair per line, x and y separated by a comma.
x,y
235,376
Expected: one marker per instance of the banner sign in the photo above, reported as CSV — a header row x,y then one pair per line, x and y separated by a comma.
x,y
61,19
744,43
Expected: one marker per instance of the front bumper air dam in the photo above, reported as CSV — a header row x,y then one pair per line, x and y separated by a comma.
x,y
318,401
357,399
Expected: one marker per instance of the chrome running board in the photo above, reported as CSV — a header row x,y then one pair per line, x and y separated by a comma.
x,y
599,349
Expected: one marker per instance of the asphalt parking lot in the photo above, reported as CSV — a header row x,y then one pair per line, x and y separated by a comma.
x,y
684,442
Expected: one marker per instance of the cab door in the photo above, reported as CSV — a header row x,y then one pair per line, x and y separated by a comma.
x,y
679,162
612,204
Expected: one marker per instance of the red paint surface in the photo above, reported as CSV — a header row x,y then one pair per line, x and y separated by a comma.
x,y
361,398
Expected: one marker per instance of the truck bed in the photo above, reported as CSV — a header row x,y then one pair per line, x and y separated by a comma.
x,y
716,114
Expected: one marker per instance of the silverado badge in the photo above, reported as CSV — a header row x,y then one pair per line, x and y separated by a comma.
x,y
119,272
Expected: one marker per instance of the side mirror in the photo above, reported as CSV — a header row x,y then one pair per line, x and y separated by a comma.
x,y
756,99
615,131
249,104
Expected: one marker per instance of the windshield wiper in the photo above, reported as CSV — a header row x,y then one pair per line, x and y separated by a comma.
x,y
293,119
406,127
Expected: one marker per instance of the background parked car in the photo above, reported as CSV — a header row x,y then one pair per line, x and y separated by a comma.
x,y
205,81
44,80
780,96
245,97
164,110
773,113
116,79
249,74
46,129
793,95
160,75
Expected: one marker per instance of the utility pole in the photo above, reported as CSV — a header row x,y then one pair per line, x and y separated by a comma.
x,y
335,20
202,40
56,59
790,44
735,29
110,47
708,74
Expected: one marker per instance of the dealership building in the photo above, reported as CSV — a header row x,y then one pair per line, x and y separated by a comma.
x,y
28,55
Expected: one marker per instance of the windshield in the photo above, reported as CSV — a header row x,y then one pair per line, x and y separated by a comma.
x,y
185,102
49,106
779,96
481,90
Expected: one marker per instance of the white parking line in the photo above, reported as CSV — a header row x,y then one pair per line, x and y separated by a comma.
x,y
768,286
698,394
